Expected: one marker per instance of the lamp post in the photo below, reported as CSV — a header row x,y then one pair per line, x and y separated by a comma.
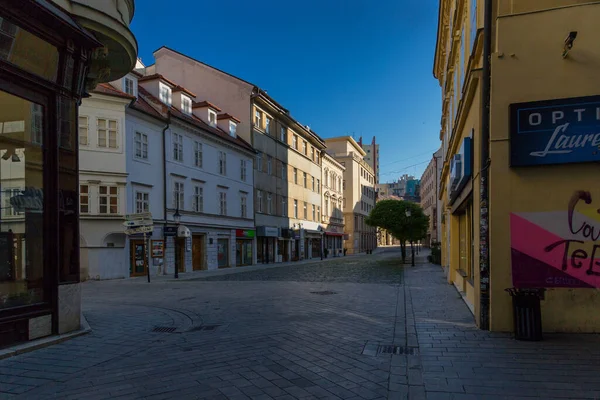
x,y
412,248
177,219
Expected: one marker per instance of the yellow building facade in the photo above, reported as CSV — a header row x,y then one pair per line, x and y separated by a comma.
x,y
535,148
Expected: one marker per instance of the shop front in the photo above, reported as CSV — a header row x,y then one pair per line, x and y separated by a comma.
x,y
312,243
42,79
284,245
266,244
244,240
334,242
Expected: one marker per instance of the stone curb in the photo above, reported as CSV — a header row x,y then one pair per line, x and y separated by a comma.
x,y
45,341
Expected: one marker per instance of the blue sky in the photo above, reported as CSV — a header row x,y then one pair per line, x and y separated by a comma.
x,y
357,67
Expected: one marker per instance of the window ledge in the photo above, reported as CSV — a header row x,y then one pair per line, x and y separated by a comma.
x,y
462,273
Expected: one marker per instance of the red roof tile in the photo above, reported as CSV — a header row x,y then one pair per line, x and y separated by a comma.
x,y
157,76
184,90
228,116
206,104
109,90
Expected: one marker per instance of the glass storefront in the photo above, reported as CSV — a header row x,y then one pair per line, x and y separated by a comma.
x,y
243,252
265,249
223,253
22,208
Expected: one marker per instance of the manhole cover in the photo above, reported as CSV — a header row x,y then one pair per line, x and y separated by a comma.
x,y
373,349
164,329
204,328
324,293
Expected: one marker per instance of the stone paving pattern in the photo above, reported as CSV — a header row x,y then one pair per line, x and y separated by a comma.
x,y
278,340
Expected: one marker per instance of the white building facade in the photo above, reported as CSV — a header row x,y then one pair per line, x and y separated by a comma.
x,y
333,205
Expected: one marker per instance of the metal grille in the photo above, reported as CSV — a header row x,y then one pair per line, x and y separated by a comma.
x,y
204,328
324,293
164,329
389,349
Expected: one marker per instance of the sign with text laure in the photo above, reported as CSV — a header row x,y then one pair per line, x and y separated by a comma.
x,y
562,131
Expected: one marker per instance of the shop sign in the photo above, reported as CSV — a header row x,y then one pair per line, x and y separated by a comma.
x,y
158,248
170,231
267,231
241,233
555,131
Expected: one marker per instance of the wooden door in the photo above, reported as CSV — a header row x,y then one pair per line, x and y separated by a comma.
x,y
138,265
198,252
181,255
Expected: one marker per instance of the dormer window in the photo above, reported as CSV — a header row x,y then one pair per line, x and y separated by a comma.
x,y
232,128
212,118
186,104
166,95
129,86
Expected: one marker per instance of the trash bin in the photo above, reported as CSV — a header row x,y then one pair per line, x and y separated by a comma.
x,y
527,313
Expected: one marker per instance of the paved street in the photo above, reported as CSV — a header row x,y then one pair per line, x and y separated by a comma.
x,y
321,330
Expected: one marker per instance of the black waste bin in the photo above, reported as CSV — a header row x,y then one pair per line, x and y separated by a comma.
x,y
527,313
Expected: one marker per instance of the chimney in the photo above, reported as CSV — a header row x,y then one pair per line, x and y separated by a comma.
x,y
207,112
228,124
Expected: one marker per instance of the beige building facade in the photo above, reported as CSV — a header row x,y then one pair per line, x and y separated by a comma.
x,y
358,186
429,190
333,205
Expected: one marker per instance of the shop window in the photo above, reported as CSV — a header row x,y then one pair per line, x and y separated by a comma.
x,y
223,253
108,199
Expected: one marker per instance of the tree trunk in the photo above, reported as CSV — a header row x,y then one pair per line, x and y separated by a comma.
x,y
412,248
403,251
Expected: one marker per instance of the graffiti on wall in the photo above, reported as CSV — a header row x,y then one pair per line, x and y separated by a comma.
x,y
558,248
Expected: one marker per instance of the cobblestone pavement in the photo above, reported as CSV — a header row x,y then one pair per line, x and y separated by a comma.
x,y
314,335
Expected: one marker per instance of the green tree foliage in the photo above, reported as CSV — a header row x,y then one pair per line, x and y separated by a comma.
x,y
391,215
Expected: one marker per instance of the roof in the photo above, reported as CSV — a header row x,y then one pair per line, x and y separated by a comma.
x,y
206,104
178,88
347,139
109,90
157,76
143,106
193,120
228,116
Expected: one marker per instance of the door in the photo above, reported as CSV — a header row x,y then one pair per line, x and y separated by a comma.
x,y
198,252
223,253
138,265
181,254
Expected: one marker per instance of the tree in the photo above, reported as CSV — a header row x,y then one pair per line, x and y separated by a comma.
x,y
405,220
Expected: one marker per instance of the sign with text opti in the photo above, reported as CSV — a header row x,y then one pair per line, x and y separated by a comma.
x,y
560,131
138,223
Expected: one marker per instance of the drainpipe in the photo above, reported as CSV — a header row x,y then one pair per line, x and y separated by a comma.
x,y
164,159
484,204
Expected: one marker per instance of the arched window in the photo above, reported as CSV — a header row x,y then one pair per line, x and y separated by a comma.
x,y
326,183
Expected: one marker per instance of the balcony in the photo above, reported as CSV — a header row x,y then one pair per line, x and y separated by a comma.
x,y
109,22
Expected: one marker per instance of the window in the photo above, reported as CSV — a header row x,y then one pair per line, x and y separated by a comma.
x,y
222,203
83,130
283,134
284,171
296,176
313,183
318,213
128,85
198,204
243,205
107,133
269,204
259,164
305,211
142,203
318,186
7,208
283,207
141,145
186,104
222,163
177,147
305,180
165,94
259,202
178,195
314,214
212,118
108,200
326,182
317,157
344,185
295,208
198,154
304,148
295,142
258,119
339,187
269,165
326,208
243,171
267,124
232,128
84,199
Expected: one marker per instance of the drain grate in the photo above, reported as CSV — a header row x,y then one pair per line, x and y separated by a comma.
x,y
324,293
164,329
389,349
204,328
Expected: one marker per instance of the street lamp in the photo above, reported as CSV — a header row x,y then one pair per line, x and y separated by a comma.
x,y
177,219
